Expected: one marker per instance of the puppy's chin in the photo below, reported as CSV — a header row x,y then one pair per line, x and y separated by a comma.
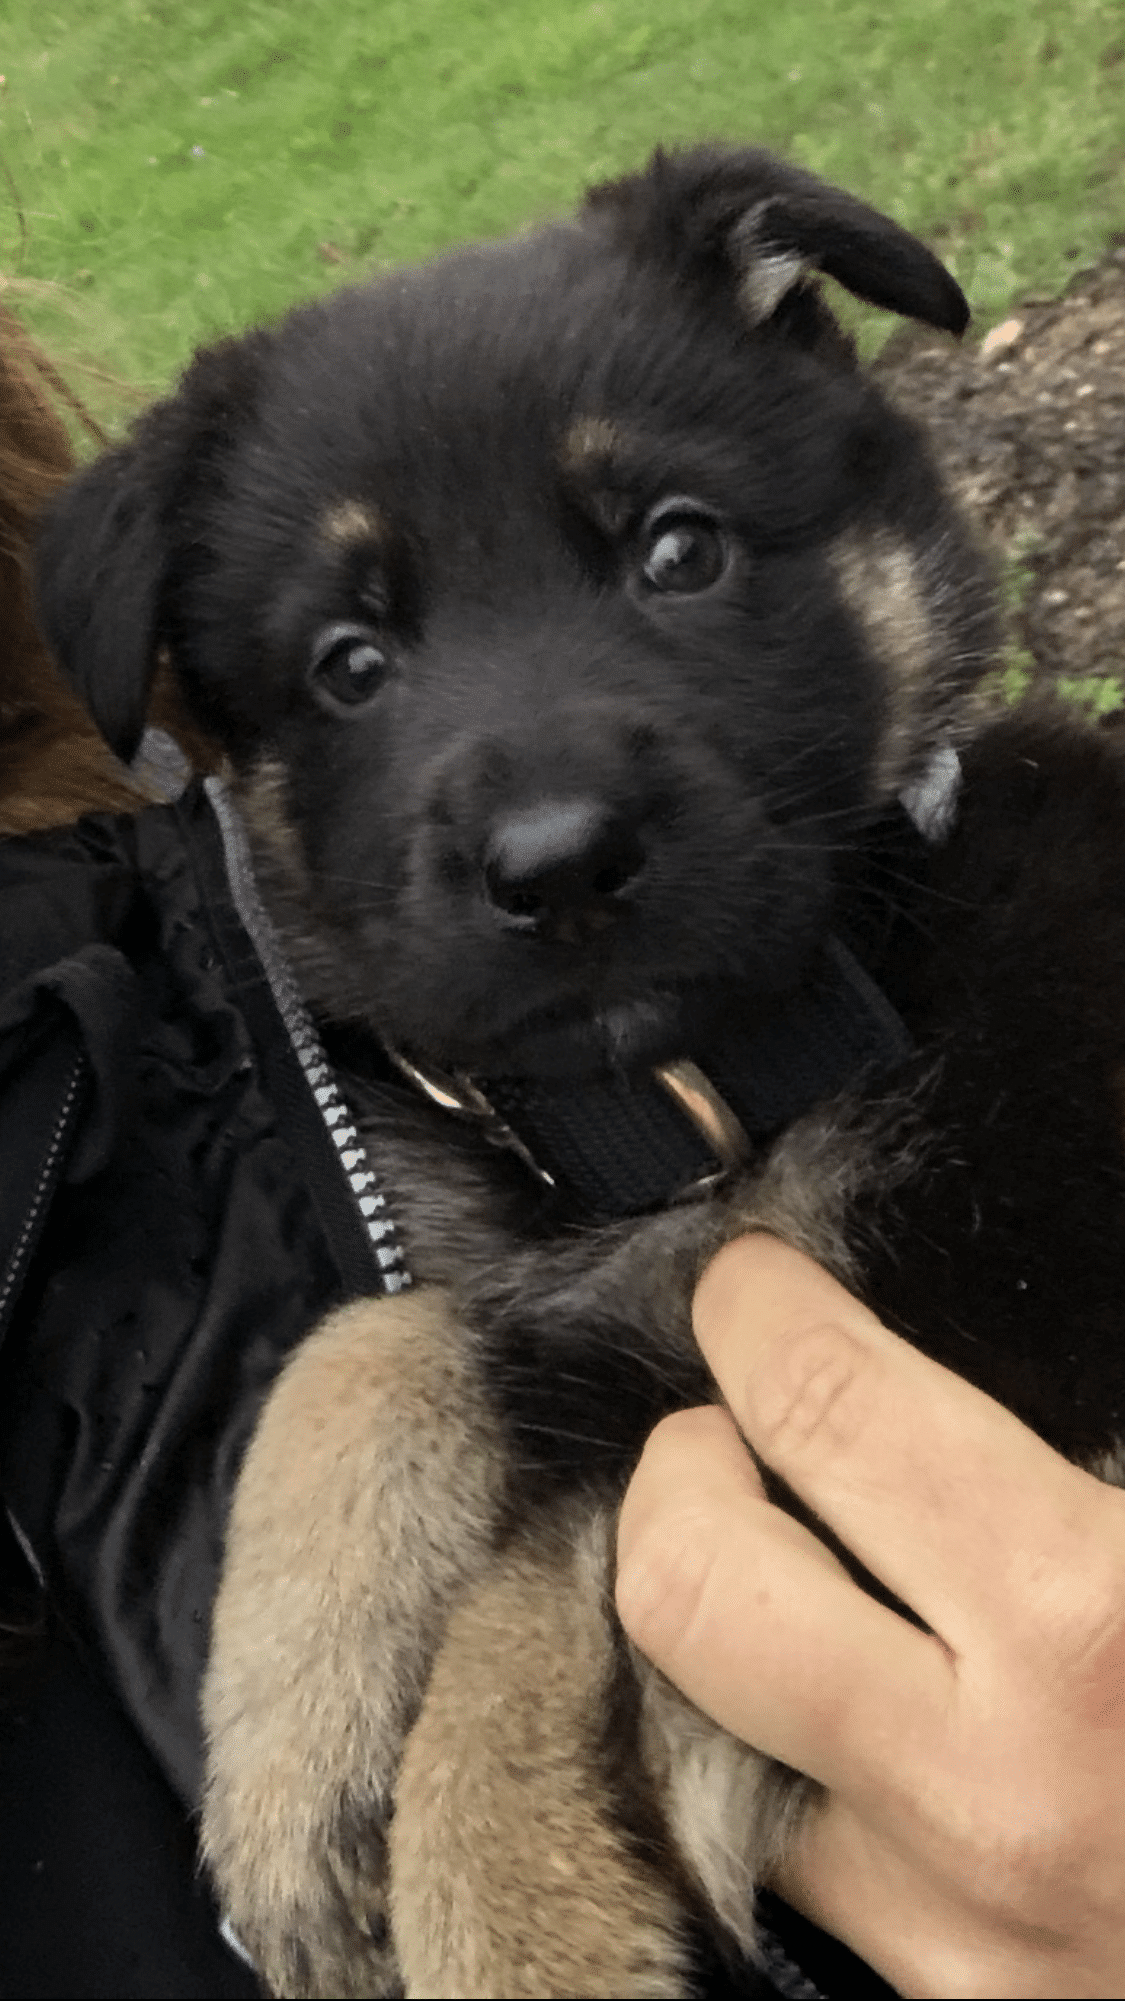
x,y
629,1036
625,1038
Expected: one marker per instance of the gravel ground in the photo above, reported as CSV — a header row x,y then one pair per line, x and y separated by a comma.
x,y
1030,425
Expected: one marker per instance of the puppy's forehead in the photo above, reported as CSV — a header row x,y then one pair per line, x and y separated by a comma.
x,y
449,400
488,341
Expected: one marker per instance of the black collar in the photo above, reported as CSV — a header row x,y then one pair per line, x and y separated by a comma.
x,y
618,1146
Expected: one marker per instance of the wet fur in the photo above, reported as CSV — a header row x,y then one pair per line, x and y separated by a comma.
x,y
433,1759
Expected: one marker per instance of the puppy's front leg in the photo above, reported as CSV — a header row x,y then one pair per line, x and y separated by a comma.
x,y
521,1861
368,1498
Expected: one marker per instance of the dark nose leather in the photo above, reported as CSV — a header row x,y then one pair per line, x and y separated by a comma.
x,y
560,867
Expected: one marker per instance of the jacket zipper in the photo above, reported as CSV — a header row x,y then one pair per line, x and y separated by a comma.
x,y
50,1174
307,1047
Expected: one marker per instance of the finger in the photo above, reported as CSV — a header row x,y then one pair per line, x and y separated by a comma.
x,y
945,1496
755,1620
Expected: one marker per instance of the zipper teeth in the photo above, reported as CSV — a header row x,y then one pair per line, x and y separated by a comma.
x,y
26,1236
307,1047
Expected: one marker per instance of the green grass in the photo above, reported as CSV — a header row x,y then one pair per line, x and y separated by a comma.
x,y
1099,695
1096,695
181,167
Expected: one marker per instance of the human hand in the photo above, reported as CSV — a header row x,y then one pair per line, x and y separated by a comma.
x,y
972,1836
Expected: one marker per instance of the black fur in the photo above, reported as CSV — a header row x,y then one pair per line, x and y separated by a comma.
x,y
573,818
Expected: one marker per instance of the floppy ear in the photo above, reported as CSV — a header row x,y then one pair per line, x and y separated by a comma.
x,y
108,545
98,569
769,224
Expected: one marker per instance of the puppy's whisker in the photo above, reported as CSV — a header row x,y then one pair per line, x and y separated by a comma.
x,y
646,1360
333,877
585,1439
801,754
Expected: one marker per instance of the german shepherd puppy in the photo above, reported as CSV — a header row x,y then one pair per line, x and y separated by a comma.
x,y
575,615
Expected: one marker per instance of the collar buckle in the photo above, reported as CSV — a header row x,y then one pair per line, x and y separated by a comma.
x,y
454,1092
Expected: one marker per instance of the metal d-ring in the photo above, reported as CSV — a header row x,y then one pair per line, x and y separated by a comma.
x,y
710,1114
455,1092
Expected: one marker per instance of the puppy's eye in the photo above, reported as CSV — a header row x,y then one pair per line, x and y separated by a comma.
x,y
685,549
347,667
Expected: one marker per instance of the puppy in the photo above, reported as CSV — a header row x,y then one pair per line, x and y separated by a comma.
x,y
595,654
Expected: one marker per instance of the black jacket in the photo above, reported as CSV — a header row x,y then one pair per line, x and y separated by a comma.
x,y
202,1222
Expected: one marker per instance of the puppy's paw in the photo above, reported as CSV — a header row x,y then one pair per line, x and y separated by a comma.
x,y
514,1871
366,1501
303,1889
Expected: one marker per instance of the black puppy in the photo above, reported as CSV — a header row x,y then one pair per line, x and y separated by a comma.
x,y
576,618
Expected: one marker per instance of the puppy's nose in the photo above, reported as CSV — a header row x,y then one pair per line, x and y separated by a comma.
x,y
559,868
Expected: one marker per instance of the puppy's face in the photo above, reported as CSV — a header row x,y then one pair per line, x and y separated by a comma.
x,y
564,607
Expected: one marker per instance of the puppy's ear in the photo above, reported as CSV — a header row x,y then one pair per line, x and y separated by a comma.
x,y
109,545
98,569
712,211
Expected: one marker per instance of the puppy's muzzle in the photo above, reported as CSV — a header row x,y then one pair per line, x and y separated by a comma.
x,y
561,869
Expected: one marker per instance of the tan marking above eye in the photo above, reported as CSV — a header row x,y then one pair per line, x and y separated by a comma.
x,y
350,521
587,445
591,457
